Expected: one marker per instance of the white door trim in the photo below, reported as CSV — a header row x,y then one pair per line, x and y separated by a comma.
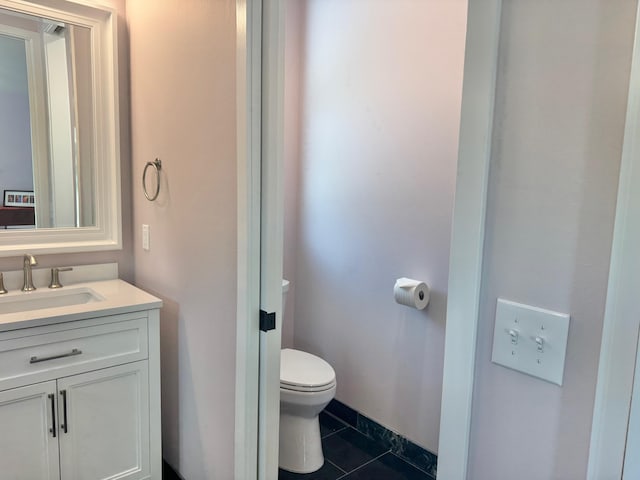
x,y
631,468
260,137
272,234
248,111
467,241
622,312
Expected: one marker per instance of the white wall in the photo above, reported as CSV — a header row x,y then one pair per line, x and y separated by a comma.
x,y
559,120
379,118
295,22
183,111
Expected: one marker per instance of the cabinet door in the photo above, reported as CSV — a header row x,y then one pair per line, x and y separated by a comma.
x,y
104,424
28,434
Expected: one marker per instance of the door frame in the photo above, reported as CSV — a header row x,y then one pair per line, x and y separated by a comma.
x,y
615,378
614,401
271,233
260,128
612,409
468,234
260,23
248,141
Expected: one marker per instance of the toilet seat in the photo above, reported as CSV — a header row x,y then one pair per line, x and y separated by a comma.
x,y
304,372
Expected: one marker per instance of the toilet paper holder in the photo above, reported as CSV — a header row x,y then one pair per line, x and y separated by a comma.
x,y
411,293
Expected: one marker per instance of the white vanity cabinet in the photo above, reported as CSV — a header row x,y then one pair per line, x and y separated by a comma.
x,y
105,432
80,399
28,449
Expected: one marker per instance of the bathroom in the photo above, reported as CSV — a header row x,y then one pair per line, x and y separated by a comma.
x,y
368,152
560,104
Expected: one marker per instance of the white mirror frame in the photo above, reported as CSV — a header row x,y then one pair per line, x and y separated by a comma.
x,y
107,233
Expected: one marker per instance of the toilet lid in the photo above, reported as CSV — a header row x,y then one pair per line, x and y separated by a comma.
x,y
302,369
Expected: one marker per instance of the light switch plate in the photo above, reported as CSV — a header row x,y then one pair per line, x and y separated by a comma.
x,y
530,340
145,237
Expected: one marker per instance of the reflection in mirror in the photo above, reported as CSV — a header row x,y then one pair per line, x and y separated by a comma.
x,y
46,123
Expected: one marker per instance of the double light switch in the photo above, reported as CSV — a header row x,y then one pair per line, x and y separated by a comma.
x,y
531,340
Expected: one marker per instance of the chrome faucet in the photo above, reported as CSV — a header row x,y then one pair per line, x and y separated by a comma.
x,y
28,262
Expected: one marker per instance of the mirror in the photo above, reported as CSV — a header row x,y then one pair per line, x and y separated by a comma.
x,y
59,157
45,87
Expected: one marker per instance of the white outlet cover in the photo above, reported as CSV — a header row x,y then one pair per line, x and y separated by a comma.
x,y
530,326
145,237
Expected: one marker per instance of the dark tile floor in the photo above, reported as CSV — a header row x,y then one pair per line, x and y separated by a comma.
x,y
168,473
350,455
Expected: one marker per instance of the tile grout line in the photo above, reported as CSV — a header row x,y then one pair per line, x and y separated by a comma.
x,y
347,425
343,422
392,452
414,466
364,464
365,419
342,470
333,433
343,474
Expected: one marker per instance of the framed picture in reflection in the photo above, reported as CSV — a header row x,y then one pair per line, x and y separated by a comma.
x,y
19,198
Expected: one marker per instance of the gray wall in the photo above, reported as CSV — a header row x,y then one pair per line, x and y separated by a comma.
x,y
183,111
378,117
559,121
16,171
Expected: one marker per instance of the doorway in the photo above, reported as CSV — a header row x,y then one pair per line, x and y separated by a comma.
x,y
463,318
370,128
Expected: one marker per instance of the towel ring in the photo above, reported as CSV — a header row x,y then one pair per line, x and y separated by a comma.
x,y
157,164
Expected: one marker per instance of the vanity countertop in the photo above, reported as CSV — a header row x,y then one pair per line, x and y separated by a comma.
x,y
115,297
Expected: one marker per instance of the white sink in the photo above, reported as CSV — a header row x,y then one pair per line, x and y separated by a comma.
x,y
38,300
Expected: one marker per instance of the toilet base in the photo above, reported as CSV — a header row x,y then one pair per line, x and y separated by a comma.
x,y
300,444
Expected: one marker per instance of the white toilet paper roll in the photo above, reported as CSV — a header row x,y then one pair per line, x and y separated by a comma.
x,y
412,293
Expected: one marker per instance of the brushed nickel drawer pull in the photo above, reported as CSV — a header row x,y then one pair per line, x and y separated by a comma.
x,y
73,352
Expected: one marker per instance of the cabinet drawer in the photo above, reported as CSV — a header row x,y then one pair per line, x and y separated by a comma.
x,y
69,351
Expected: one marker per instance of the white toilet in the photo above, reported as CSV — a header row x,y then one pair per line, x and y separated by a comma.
x,y
307,385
